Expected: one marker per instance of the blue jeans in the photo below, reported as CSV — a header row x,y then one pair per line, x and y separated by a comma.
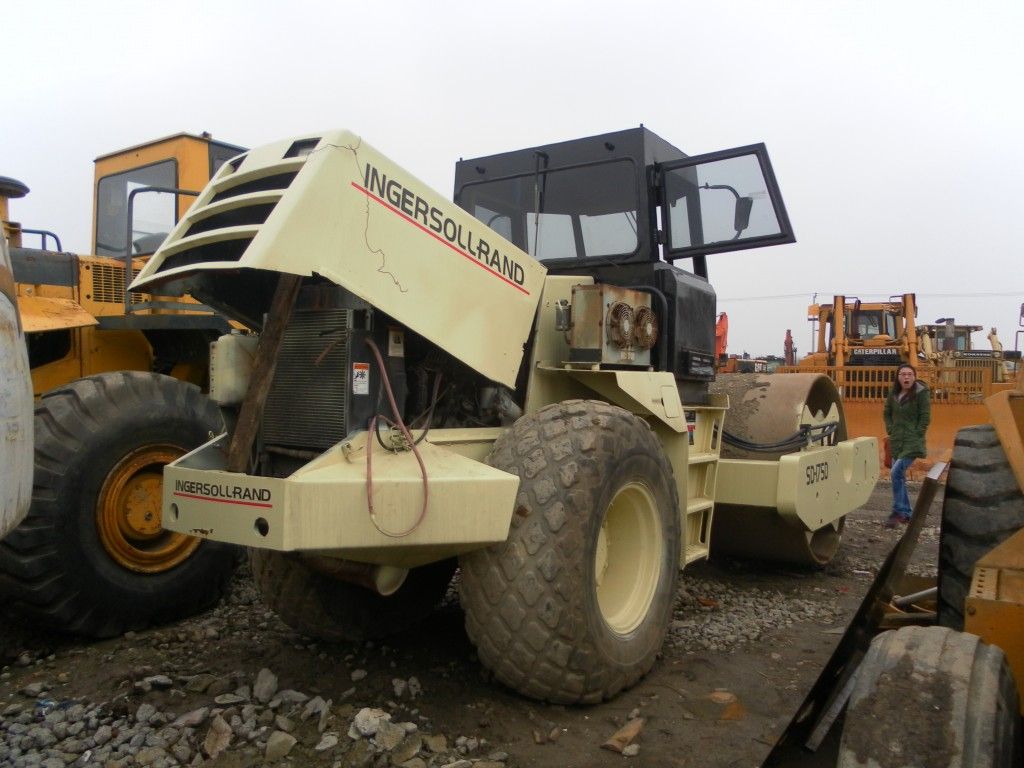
x,y
900,499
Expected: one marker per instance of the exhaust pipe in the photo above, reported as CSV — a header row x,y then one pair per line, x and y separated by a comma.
x,y
383,579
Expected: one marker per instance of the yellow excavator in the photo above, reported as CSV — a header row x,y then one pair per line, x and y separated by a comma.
x,y
117,375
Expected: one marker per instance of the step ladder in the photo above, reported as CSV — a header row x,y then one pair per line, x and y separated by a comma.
x,y
705,424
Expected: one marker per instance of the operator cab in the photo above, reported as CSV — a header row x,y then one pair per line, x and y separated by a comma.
x,y
623,207
869,324
625,197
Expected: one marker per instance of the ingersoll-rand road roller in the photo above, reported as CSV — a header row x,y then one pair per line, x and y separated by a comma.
x,y
518,384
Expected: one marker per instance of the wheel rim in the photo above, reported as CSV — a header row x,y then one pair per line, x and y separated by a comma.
x,y
627,563
128,513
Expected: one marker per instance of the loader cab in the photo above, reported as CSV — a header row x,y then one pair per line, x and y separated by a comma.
x,y
622,208
180,162
79,317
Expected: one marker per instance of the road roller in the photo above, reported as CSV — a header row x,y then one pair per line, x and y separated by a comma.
x,y
518,383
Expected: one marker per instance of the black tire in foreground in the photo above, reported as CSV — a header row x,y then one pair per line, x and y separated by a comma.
x,y
322,606
932,697
91,557
575,605
983,507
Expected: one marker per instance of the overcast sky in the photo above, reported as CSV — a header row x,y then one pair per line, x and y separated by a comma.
x,y
894,127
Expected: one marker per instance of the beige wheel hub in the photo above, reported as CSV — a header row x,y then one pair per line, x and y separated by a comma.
x,y
628,558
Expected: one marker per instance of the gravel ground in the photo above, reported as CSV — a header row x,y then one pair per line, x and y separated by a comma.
x,y
236,687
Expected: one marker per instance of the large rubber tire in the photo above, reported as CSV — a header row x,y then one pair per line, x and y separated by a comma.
x,y
932,697
91,557
983,506
575,605
324,607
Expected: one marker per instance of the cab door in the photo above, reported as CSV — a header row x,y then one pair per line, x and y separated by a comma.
x,y
721,201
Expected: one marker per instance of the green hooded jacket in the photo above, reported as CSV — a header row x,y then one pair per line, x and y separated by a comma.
x,y
906,422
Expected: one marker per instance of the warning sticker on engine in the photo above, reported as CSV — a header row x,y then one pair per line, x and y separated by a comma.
x,y
360,378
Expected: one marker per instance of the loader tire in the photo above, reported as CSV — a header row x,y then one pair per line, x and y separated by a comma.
x,y
932,697
91,557
574,606
983,506
324,607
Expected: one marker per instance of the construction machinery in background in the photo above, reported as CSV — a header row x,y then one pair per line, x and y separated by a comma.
x,y
945,344
860,344
726,363
15,394
118,378
518,382
789,349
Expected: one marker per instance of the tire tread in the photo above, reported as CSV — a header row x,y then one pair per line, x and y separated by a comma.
x,y
524,610
37,577
983,506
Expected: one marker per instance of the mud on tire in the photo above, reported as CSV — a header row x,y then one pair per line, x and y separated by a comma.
x,y
321,606
932,697
575,605
91,557
983,507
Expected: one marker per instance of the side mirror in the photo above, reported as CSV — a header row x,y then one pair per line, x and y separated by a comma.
x,y
741,220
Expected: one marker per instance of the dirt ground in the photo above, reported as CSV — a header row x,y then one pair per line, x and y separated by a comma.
x,y
700,708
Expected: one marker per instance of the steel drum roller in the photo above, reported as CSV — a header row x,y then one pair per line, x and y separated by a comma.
x,y
768,409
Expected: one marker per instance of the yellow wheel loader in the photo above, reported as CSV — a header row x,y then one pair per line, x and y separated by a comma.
x,y
517,383
942,687
957,684
116,374
15,393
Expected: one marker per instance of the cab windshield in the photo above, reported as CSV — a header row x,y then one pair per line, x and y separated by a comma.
x,y
869,324
565,213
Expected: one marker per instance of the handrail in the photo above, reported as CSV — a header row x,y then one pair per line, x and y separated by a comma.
x,y
44,233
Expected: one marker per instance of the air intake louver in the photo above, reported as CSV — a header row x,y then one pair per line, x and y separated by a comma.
x,y
215,215
235,217
226,250
265,184
108,284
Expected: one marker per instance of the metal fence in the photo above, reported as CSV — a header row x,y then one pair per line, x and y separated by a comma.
x,y
958,385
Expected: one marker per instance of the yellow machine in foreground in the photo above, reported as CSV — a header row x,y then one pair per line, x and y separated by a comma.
x,y
116,374
860,344
942,688
518,382
965,700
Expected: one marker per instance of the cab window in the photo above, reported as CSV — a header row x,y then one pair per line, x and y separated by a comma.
x,y
153,216
557,214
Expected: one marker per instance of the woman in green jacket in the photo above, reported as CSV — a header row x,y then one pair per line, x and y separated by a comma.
x,y
907,413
